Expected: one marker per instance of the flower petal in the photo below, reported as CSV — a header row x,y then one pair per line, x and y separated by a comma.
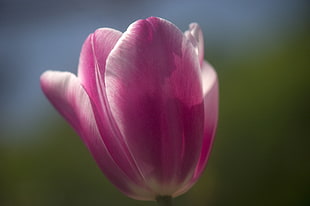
x,y
211,102
211,99
64,91
195,35
94,53
155,94
91,72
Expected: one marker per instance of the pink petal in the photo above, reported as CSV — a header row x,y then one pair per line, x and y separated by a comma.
x,y
154,90
195,35
211,100
65,92
94,53
91,71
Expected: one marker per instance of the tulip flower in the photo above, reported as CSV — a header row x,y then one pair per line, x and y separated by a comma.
x,y
145,103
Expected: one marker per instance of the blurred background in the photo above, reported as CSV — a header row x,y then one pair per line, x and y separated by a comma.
x,y
260,50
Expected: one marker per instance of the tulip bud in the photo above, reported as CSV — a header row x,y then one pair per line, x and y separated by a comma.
x,y
145,103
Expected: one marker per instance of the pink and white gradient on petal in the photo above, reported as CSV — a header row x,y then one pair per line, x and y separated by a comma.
x,y
145,103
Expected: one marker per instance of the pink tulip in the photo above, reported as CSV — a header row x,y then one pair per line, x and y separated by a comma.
x,y
145,103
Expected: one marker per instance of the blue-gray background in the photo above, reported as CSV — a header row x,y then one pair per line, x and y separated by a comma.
x,y
260,50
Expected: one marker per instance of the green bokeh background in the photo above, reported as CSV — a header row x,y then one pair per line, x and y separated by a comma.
x,y
260,156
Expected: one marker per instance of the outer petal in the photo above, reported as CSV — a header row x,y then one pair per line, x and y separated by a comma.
x,y
154,90
64,91
195,35
92,67
94,53
211,101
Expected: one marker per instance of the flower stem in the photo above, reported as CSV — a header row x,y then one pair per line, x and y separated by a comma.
x,y
164,200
